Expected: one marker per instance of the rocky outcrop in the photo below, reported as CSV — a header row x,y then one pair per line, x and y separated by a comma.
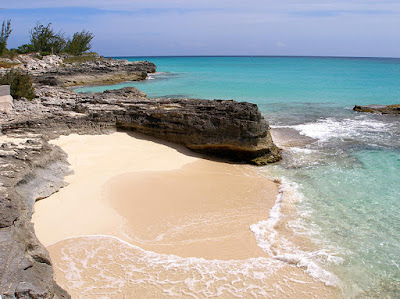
x,y
379,109
32,169
55,70
227,129
102,71
26,269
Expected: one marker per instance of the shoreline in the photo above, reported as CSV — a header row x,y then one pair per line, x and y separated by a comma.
x,y
164,162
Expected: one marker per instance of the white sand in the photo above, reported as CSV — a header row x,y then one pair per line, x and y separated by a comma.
x,y
77,209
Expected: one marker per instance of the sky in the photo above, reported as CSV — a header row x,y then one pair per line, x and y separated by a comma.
x,y
356,28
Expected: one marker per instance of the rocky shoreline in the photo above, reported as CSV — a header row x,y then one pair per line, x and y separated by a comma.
x,y
32,169
379,109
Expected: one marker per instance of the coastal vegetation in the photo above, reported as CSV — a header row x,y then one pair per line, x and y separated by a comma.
x,y
79,43
20,84
4,35
44,40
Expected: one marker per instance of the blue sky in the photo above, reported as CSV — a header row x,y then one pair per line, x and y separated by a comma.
x,y
218,27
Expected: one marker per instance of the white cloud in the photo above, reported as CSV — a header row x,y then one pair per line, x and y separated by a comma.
x,y
280,44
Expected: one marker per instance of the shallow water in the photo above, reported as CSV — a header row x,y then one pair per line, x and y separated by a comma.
x,y
345,184
107,267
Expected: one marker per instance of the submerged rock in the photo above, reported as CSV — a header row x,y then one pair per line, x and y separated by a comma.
x,y
379,109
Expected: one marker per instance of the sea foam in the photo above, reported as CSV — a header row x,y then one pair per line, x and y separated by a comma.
x,y
114,264
330,128
281,248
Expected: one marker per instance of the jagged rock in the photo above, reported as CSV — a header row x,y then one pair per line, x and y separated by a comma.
x,y
227,129
379,109
53,71
49,80
26,270
128,92
101,71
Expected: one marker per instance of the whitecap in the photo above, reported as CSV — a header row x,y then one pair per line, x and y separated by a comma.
x,y
329,128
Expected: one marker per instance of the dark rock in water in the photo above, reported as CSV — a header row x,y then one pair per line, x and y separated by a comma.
x,y
226,129
379,109
127,92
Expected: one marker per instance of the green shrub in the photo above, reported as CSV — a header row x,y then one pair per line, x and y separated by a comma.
x,y
24,49
20,84
44,53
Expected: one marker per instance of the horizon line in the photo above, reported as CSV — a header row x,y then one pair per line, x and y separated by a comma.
x,y
288,56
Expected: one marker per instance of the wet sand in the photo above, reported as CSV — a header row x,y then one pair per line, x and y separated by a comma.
x,y
146,219
202,210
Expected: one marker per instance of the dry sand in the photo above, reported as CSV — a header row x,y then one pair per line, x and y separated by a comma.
x,y
77,209
146,219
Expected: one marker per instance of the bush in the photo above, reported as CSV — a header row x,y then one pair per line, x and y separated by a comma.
x,y
79,43
10,54
25,49
44,54
20,84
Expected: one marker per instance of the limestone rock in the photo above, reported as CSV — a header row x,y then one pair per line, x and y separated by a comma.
x,y
26,270
101,71
379,109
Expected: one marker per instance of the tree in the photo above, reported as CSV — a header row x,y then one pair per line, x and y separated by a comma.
x,y
43,39
4,35
79,43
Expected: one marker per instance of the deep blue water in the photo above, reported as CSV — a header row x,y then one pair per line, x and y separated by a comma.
x,y
348,179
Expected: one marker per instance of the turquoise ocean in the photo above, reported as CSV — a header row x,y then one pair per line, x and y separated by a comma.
x,y
344,182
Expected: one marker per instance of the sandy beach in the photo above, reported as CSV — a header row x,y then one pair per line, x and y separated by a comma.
x,y
144,218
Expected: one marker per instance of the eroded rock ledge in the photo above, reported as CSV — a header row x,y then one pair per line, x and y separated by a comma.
x,y
379,109
60,71
226,129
